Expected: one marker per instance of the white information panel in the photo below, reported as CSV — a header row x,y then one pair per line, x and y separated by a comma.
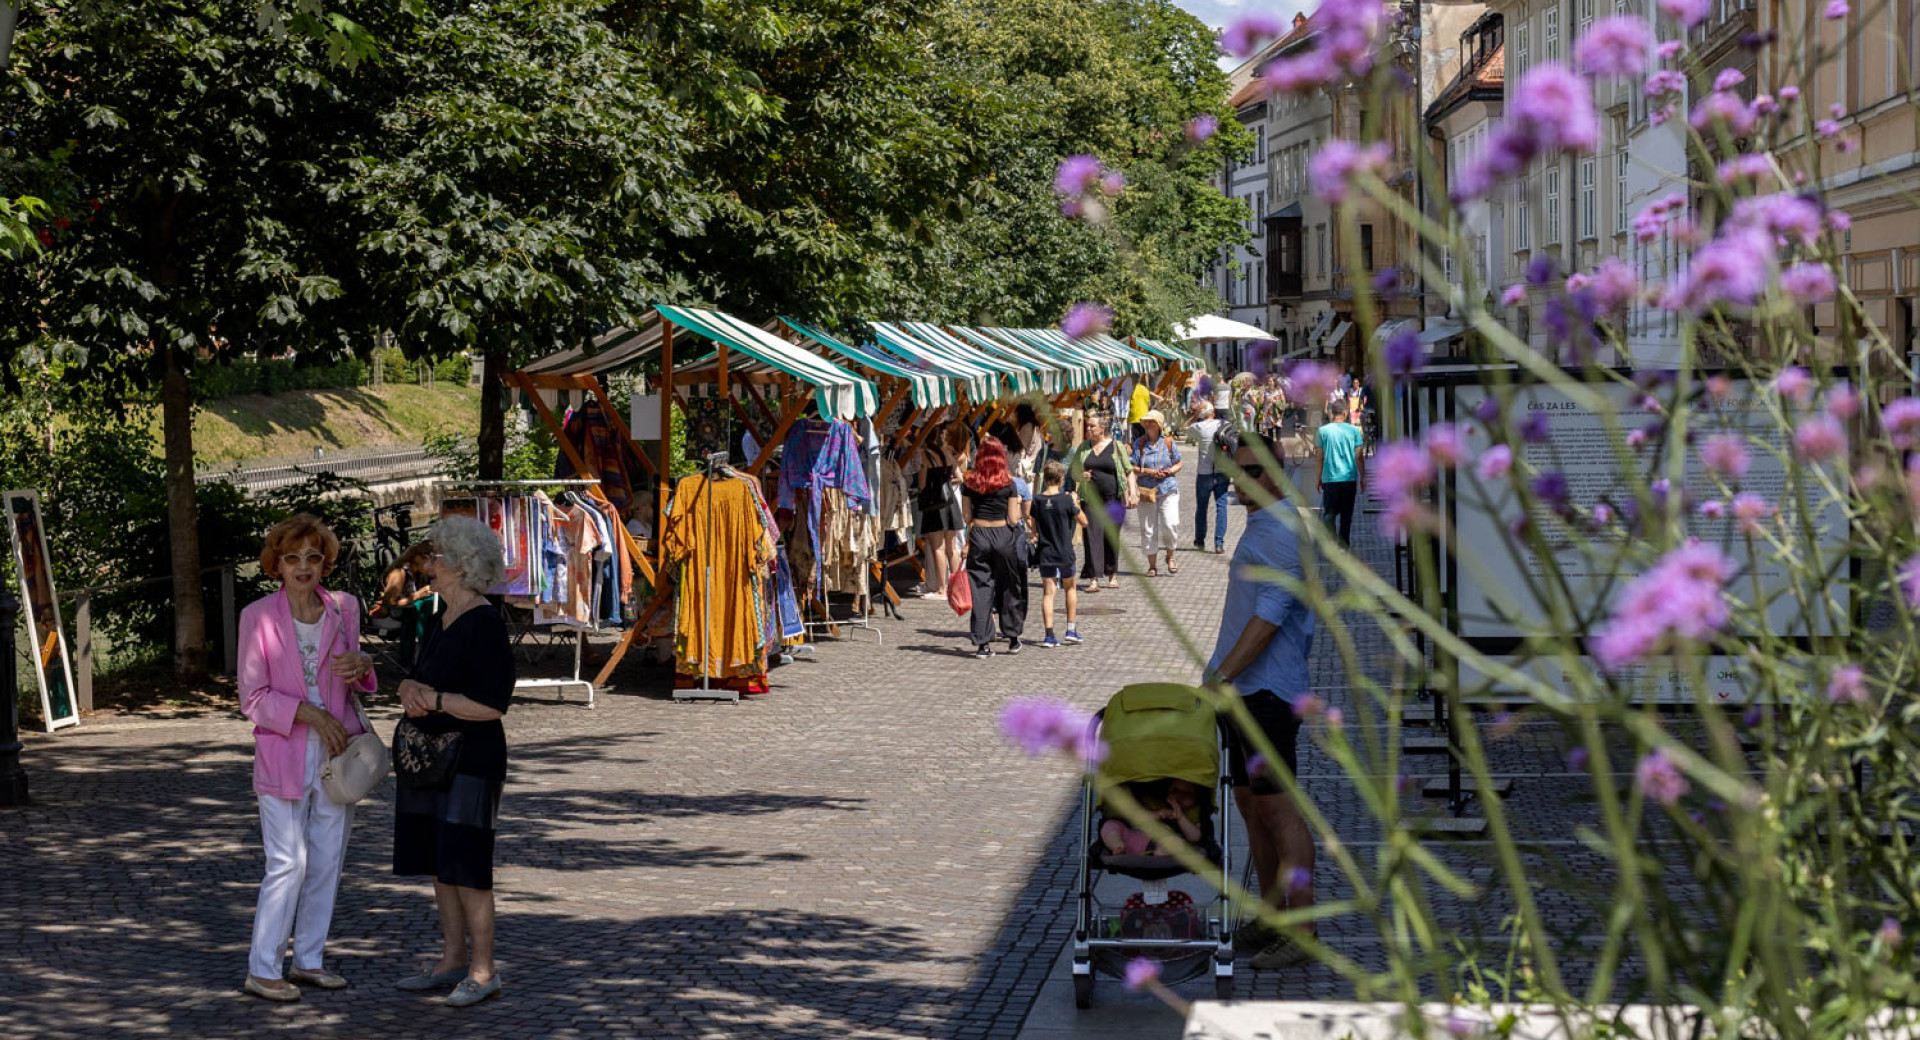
x,y
1495,570
1657,681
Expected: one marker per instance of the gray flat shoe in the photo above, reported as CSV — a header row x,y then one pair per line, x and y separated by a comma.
x,y
425,981
280,991
469,992
318,977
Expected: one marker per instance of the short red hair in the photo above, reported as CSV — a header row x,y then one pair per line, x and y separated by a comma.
x,y
292,533
989,470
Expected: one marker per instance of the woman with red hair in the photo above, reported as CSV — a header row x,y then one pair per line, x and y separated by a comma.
x,y
994,514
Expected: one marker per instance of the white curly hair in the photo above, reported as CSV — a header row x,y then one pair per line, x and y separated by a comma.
x,y
470,547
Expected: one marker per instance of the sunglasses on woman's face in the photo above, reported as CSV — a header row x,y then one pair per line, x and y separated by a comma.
x,y
312,559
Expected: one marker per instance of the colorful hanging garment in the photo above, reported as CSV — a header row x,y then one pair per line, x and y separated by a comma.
x,y
717,524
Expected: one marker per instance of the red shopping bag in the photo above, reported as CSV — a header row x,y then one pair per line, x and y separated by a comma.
x,y
960,592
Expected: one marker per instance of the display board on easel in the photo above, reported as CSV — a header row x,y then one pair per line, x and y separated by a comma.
x,y
33,562
1479,578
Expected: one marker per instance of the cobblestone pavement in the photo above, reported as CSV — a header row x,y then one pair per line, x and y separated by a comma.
x,y
855,855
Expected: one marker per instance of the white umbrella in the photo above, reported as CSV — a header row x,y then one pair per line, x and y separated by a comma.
x,y
1210,327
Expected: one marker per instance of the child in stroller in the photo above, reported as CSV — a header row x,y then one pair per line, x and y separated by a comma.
x,y
1178,803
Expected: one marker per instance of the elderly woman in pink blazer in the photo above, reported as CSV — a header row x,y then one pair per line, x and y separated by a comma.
x,y
300,662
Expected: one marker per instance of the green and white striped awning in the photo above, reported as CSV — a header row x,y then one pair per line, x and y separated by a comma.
x,y
1021,377
929,389
1098,350
1186,360
1137,361
841,394
1089,369
938,351
1054,377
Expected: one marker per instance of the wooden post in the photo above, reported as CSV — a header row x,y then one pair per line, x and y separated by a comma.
x,y
83,649
723,366
663,472
795,406
229,623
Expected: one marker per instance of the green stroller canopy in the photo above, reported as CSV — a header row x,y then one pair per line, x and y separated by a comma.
x,y
1160,731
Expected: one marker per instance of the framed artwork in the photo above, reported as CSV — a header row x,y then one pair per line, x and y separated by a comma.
x,y
41,608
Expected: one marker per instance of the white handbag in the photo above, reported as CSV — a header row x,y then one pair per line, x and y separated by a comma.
x,y
353,774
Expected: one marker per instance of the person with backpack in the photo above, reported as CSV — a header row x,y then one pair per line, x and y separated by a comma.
x,y
1157,461
1056,518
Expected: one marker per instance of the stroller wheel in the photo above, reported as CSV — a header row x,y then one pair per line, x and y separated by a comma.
x,y
1083,991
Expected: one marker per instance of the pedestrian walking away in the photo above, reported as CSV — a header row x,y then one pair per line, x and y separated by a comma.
x,y
1056,516
1103,476
300,665
1261,653
934,492
1343,471
444,813
995,568
1157,461
1210,485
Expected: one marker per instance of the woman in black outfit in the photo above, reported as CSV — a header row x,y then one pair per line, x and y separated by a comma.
x,y
1099,461
999,579
939,515
462,683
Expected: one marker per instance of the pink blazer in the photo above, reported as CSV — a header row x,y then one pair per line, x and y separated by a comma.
x,y
272,685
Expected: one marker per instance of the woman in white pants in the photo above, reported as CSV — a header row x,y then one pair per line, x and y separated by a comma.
x,y
1156,465
300,662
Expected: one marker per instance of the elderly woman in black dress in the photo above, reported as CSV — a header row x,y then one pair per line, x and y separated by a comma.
x,y
462,683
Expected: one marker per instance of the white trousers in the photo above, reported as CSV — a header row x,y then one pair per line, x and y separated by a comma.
x,y
306,841
1160,524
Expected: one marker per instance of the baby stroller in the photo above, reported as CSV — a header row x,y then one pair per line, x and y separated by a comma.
x,y
1156,732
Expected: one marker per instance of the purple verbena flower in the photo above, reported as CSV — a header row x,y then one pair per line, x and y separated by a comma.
x,y
1536,428
1400,469
1077,175
1794,384
1843,402
1687,12
1809,283
1732,269
1747,167
1889,933
1847,685
1577,759
1820,438
1461,1027
1725,455
1602,514
1659,779
1909,578
1201,127
1309,707
1663,82
1336,167
1750,510
1788,218
1299,881
1901,419
1729,79
1113,182
1446,445
1141,971
1614,286
1838,220
1826,128
1086,319
1494,463
1837,10
1514,295
1551,487
1678,598
1044,724
1314,380
1540,270
1615,46
1670,49
1723,108
1713,509
1248,33
1403,353
1488,410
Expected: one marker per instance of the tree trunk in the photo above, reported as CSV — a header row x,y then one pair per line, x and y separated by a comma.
x,y
183,527
493,419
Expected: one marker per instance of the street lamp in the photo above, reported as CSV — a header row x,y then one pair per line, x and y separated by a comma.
x,y
13,777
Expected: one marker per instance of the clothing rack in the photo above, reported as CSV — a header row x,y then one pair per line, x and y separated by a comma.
x,y
559,686
714,464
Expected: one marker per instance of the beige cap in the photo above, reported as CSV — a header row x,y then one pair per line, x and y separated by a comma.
x,y
1154,416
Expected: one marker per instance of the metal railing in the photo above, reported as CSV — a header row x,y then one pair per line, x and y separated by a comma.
x,y
400,462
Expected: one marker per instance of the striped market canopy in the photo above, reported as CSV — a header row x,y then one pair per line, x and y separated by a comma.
x,y
1054,377
1022,377
981,380
1183,358
930,389
840,393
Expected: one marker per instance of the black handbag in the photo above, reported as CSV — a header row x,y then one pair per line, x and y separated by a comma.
x,y
424,761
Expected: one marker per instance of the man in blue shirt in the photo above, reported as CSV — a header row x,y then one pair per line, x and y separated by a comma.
x,y
1265,635
1343,470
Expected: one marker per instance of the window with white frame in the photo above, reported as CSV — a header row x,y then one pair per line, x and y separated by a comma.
x,y
1586,16
1520,49
1620,174
1550,26
1522,236
1320,247
1589,175
1553,205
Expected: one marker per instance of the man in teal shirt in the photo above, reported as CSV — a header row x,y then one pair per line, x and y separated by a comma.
x,y
1342,471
